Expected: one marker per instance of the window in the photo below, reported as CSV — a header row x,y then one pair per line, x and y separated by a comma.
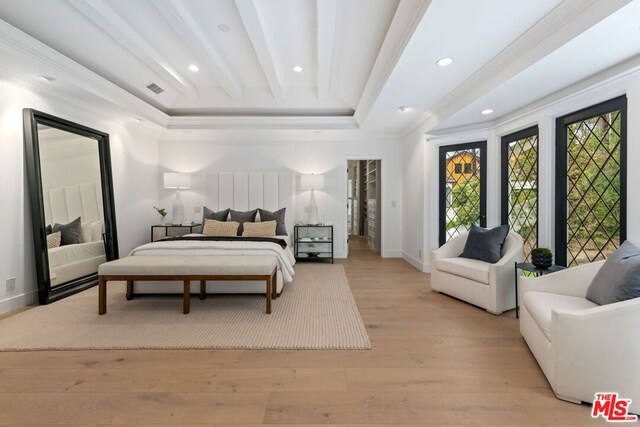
x,y
520,185
591,182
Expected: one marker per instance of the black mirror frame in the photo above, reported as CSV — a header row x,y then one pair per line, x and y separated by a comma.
x,y
31,119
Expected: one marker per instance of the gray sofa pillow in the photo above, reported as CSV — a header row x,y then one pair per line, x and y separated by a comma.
x,y
217,216
619,277
71,232
485,244
278,216
242,217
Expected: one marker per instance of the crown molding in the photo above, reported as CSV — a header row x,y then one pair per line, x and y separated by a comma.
x,y
228,136
405,21
252,123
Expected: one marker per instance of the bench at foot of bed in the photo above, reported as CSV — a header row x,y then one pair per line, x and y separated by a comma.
x,y
187,269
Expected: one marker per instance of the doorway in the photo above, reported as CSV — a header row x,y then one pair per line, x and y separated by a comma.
x,y
363,206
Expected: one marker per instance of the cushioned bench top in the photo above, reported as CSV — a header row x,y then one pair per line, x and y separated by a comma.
x,y
190,265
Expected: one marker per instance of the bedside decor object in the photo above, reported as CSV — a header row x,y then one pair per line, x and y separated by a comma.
x,y
163,214
178,181
542,258
312,182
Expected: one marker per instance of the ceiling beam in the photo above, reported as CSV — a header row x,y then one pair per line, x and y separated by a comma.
x,y
187,28
564,23
326,28
405,21
255,29
103,16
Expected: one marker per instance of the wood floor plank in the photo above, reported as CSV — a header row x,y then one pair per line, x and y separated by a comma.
x,y
434,361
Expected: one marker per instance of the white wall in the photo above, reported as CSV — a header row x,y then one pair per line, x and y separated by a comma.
x,y
198,156
135,173
544,117
413,188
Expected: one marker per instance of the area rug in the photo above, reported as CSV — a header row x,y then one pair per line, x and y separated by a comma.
x,y
316,311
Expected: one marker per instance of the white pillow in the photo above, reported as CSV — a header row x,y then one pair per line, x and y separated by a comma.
x,y
96,231
87,232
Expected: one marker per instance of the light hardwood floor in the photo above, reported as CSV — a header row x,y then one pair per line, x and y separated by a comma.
x,y
434,361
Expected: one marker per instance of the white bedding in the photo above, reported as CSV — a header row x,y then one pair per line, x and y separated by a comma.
x,y
285,257
73,253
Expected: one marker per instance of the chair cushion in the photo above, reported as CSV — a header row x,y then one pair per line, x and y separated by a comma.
x,y
540,304
472,269
485,244
619,278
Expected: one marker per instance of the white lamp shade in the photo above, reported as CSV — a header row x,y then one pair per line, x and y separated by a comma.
x,y
177,180
311,182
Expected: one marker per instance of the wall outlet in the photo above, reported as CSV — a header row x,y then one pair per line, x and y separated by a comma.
x,y
420,253
11,284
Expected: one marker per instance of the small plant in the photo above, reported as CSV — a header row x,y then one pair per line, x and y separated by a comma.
x,y
161,211
541,251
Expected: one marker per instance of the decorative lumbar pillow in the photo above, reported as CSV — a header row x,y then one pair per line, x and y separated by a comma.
x,y
220,228
485,244
71,232
260,229
53,240
218,216
278,216
619,277
242,217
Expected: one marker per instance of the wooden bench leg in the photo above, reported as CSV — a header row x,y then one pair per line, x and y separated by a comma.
x,y
268,294
102,296
203,289
186,297
129,290
274,284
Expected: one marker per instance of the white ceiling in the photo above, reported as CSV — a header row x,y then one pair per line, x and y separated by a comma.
x,y
361,59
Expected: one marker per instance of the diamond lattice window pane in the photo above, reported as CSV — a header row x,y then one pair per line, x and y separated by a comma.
x,y
463,191
593,188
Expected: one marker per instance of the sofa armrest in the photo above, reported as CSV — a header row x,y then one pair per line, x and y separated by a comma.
x,y
452,249
597,349
573,281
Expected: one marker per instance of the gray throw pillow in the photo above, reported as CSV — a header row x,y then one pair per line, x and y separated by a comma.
x,y
278,216
485,244
242,217
216,216
71,232
619,277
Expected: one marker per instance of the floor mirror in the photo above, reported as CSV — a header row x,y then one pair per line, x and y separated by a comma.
x,y
70,191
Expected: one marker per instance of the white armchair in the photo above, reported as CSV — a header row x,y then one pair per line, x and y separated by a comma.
x,y
582,348
490,286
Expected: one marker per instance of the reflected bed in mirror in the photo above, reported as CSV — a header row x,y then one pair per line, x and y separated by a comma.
x,y
71,196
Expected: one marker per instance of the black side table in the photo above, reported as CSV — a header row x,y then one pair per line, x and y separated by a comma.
x,y
176,229
527,266
313,242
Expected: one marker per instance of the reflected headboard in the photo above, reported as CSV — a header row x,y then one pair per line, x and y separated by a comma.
x,y
243,191
64,204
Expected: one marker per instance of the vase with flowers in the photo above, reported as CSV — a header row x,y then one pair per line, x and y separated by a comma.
x,y
163,214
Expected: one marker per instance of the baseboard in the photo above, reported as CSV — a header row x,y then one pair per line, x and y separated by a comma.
x,y
392,254
18,301
418,264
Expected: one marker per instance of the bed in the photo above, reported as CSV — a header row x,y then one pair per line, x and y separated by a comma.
x,y
239,191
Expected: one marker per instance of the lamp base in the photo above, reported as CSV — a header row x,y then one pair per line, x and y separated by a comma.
x,y
178,209
312,210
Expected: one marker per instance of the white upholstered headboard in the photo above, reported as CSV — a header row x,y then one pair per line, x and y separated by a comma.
x,y
65,204
243,191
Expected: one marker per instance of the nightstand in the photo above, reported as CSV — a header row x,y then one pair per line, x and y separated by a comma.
x,y
172,230
313,242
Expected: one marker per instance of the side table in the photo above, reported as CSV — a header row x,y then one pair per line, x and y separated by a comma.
x,y
527,266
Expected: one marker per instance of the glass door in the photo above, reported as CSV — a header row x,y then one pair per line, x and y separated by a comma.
x,y
462,188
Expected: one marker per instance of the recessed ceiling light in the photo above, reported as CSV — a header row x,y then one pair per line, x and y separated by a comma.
x,y
443,62
47,78
224,28
137,119
403,109
297,68
487,111
194,68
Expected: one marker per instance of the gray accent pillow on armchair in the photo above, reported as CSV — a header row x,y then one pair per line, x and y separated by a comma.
x,y
485,244
619,277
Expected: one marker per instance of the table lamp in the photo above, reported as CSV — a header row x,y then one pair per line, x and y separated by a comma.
x,y
178,181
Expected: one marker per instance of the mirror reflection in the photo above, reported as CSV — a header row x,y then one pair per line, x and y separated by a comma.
x,y
72,199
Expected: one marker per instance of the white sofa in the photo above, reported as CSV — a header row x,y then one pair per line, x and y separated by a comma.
x,y
582,348
490,286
